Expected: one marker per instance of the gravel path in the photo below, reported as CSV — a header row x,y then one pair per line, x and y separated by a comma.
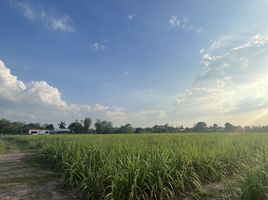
x,y
22,178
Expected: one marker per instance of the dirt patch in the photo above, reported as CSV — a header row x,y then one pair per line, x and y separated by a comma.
x,y
22,180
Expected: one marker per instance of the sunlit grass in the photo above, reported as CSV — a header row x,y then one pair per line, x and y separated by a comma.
x,y
162,166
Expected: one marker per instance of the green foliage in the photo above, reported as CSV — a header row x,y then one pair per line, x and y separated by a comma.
x,y
76,127
87,123
62,125
160,166
48,126
8,127
200,127
104,127
3,147
125,129
229,127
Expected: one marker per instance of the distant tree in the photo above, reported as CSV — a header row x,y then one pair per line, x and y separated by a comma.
x,y
87,123
125,129
247,129
164,129
239,129
228,127
200,127
215,128
18,127
188,130
103,127
139,130
76,127
157,128
34,125
62,125
27,127
91,130
49,126
181,128
148,130
98,126
8,127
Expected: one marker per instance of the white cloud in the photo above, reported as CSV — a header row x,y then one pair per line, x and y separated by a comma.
x,y
27,10
174,21
177,22
222,44
37,101
233,84
97,46
218,43
232,87
131,16
47,19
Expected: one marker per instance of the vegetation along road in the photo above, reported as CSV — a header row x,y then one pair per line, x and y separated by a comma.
x,y
23,178
144,166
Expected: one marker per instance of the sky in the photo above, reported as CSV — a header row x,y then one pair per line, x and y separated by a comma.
x,y
134,61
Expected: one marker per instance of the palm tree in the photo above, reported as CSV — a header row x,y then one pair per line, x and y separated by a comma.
x,y
62,124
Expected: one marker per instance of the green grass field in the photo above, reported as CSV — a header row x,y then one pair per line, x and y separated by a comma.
x,y
162,166
3,147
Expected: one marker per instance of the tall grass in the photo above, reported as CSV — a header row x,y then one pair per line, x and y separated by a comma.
x,y
3,147
164,166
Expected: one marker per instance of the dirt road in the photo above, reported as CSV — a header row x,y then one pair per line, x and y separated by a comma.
x,y
22,178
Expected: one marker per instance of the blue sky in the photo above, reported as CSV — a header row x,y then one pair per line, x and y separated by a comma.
x,y
132,60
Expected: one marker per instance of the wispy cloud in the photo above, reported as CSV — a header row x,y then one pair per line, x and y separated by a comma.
x,y
177,22
49,20
97,46
222,43
131,16
233,85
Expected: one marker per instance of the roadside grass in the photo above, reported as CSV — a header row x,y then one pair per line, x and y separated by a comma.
x,y
4,148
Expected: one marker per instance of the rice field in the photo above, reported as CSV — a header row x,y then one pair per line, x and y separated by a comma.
x,y
159,166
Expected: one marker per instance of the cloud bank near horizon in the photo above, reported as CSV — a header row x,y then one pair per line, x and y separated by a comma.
x,y
232,87
37,101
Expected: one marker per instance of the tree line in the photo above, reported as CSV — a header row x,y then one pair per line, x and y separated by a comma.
x,y
106,127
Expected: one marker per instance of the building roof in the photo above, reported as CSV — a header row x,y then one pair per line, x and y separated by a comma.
x,y
61,130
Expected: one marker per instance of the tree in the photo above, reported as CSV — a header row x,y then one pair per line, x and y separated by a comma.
x,y
29,126
215,128
229,127
62,125
49,126
126,129
87,123
4,123
247,129
103,127
76,127
139,130
18,127
200,127
8,127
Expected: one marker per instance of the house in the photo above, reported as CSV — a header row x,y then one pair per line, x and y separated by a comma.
x,y
38,132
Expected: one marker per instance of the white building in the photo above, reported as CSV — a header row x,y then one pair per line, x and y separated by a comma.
x,y
38,132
